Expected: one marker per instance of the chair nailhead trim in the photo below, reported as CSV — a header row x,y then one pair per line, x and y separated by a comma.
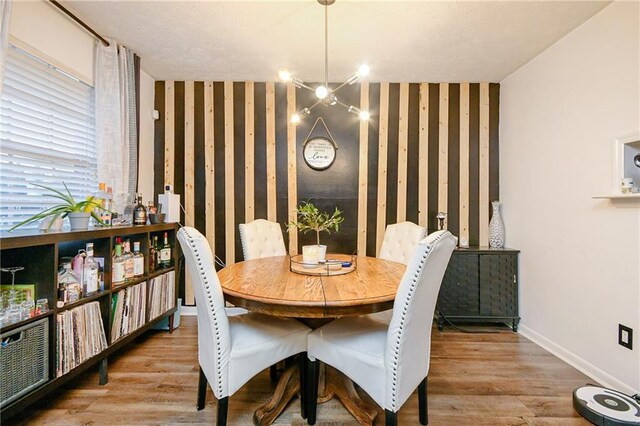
x,y
190,240
397,345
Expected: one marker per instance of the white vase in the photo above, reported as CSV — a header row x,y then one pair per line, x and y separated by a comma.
x,y
322,253
496,226
79,221
310,256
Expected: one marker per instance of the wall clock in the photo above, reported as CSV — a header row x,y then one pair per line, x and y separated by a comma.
x,y
319,152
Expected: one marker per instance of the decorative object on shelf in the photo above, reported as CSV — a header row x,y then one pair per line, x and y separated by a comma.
x,y
319,152
626,186
312,219
324,93
441,216
16,301
496,226
636,160
51,224
78,212
79,221
155,218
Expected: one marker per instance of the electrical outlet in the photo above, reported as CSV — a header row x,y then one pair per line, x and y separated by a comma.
x,y
625,336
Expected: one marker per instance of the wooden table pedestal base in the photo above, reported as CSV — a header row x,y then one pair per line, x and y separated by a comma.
x,y
333,384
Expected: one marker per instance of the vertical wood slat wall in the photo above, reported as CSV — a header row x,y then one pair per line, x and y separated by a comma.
x,y
452,129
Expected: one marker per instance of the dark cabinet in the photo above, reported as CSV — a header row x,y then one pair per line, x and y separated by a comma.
x,y
480,285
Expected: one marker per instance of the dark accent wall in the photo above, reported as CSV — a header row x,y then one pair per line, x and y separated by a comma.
x,y
338,185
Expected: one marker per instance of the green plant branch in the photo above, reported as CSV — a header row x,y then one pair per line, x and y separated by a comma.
x,y
311,219
68,205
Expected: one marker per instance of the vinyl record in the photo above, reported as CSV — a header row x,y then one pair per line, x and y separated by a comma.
x,y
606,407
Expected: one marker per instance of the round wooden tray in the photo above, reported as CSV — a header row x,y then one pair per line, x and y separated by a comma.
x,y
332,266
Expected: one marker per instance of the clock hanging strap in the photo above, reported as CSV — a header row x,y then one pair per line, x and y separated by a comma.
x,y
319,119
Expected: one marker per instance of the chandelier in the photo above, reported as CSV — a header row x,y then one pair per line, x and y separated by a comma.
x,y
326,95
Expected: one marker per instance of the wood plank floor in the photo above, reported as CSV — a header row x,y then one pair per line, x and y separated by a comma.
x,y
475,379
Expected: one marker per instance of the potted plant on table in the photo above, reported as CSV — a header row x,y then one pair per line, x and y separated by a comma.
x,y
310,218
78,212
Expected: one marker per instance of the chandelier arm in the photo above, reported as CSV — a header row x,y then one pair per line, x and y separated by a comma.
x,y
343,104
304,86
314,105
340,87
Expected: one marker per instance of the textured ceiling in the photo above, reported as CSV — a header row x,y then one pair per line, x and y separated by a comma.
x,y
407,41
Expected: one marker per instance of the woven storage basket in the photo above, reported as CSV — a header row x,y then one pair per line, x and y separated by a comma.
x,y
24,360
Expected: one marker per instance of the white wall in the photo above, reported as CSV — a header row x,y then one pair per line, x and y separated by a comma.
x,y
580,260
43,30
145,151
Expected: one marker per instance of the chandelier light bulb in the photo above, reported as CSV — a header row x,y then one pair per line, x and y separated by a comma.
x,y
322,92
364,115
364,70
300,115
284,75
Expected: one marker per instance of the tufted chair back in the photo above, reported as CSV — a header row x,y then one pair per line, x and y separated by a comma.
x,y
214,341
261,238
399,241
408,343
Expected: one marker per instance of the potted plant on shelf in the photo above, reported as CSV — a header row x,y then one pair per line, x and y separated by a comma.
x,y
78,212
310,218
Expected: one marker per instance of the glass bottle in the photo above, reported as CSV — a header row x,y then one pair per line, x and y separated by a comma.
x,y
138,260
117,275
165,252
152,254
111,204
128,261
90,278
139,212
102,199
68,282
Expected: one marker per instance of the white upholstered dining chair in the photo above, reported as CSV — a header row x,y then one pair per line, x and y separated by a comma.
x,y
261,238
399,241
232,348
388,355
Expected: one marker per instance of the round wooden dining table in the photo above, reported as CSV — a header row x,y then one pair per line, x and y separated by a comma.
x,y
269,286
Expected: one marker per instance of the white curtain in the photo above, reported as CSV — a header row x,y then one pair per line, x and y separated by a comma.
x,y
128,110
116,141
5,20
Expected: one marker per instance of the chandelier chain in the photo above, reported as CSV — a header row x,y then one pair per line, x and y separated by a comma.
x,y
326,45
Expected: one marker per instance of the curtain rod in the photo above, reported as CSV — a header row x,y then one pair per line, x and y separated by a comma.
x,y
82,24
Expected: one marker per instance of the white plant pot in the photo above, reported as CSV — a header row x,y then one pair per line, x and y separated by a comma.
x,y
79,221
322,253
310,256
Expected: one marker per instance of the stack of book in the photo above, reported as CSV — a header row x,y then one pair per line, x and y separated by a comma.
x,y
128,310
161,294
80,336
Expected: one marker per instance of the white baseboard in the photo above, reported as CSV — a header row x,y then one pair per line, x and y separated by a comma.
x,y
575,361
188,311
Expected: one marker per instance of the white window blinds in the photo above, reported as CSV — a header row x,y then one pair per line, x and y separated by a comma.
x,y
46,137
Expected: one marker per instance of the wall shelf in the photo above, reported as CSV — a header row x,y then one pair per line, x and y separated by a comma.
x,y
635,196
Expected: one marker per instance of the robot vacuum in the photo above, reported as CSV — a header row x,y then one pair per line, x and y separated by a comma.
x,y
606,407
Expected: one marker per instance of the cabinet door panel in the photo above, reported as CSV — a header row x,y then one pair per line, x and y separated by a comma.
x,y
459,294
498,288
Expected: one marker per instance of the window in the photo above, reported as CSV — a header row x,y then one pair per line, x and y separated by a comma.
x,y
47,130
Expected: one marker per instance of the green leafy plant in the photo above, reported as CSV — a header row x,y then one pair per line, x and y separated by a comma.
x,y
68,205
312,219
